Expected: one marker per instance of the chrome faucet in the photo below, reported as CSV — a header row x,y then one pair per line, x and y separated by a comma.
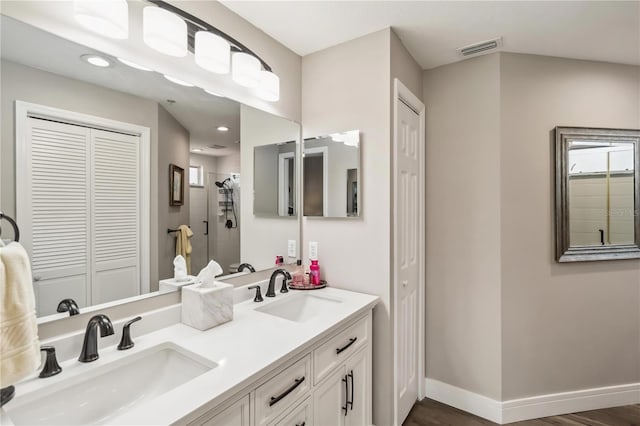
x,y
90,346
271,292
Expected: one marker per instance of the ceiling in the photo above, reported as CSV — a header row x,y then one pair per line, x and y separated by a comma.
x,y
197,111
432,30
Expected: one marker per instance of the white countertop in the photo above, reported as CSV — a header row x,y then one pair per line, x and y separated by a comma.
x,y
245,349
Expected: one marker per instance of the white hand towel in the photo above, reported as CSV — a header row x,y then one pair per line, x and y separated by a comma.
x,y
19,345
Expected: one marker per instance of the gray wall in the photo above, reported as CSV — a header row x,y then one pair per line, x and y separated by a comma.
x,y
503,318
463,225
262,238
564,326
174,140
347,87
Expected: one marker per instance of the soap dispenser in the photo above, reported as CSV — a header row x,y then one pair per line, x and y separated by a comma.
x,y
314,273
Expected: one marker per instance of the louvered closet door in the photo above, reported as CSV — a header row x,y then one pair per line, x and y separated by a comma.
x,y
115,193
58,210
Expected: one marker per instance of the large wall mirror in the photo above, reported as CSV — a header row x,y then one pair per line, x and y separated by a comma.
x,y
331,176
597,194
86,151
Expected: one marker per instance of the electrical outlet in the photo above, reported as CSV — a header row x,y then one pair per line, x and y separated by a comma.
x,y
313,250
291,248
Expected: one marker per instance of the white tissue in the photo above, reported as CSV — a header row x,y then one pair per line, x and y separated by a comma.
x,y
209,273
180,269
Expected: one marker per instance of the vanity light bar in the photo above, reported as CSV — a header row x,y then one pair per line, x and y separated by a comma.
x,y
195,24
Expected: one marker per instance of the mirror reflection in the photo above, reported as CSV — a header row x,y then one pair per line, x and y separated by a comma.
x,y
103,163
331,177
597,194
274,177
601,193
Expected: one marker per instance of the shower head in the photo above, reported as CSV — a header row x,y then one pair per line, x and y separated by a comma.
x,y
222,184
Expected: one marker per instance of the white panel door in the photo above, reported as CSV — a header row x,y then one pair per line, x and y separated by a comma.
x,y
408,150
115,193
53,203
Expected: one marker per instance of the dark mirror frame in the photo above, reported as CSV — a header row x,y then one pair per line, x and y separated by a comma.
x,y
564,251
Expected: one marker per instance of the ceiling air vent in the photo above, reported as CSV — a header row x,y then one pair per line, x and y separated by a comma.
x,y
480,48
216,146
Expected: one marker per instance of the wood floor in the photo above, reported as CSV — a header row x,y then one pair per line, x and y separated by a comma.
x,y
429,412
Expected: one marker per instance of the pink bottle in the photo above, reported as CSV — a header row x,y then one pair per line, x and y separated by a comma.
x,y
314,273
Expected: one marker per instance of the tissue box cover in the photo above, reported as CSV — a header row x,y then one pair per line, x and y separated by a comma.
x,y
206,307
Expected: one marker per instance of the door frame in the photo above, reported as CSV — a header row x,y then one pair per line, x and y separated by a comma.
x,y
283,182
402,94
323,151
24,110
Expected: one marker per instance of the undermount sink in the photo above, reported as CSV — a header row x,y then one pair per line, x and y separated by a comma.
x,y
300,307
110,390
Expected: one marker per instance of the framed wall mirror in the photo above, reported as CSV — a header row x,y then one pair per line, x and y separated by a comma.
x,y
597,194
85,160
332,175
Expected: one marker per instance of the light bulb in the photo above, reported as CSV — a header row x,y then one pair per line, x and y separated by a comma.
x,y
245,70
164,31
269,87
109,18
212,52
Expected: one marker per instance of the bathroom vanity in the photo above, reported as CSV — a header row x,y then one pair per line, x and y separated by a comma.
x,y
301,358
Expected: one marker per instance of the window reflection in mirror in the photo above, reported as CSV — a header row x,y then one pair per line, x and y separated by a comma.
x,y
331,176
601,193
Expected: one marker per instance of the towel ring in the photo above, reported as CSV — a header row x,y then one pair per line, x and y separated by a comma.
x,y
13,223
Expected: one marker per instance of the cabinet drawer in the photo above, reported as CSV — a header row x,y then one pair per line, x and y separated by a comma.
x,y
299,416
276,395
334,351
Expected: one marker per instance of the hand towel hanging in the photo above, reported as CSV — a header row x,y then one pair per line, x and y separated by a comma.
x,y
19,345
183,245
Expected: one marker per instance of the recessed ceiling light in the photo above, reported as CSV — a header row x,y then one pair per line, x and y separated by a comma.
x,y
196,150
213,93
223,129
97,61
134,65
178,81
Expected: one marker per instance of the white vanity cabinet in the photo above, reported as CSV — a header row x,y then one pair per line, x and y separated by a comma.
x,y
329,384
236,414
345,397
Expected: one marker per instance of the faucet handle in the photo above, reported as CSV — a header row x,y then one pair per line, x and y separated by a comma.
x,y
285,280
258,297
126,342
68,305
51,366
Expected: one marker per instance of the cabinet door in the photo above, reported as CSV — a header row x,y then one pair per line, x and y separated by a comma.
x,y
235,415
329,400
359,387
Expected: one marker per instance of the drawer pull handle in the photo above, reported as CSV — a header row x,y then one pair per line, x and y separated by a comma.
x,y
345,347
301,424
346,396
276,399
350,403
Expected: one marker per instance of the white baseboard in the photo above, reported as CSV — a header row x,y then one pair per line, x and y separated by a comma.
x,y
514,410
570,402
465,400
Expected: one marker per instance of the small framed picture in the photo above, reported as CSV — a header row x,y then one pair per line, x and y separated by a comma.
x,y
176,185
